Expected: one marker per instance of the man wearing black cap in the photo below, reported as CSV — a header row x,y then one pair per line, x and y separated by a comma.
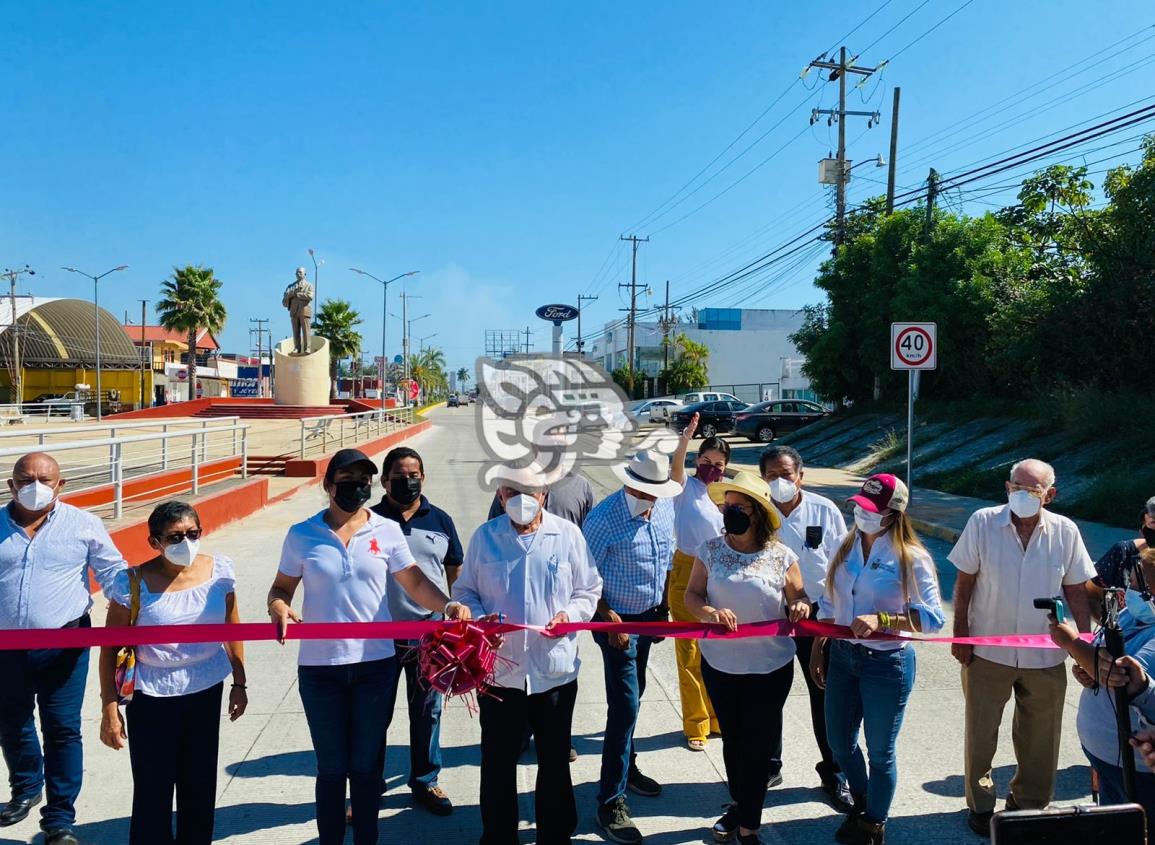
x,y
433,540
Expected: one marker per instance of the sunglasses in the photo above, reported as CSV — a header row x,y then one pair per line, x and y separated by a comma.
x,y
175,537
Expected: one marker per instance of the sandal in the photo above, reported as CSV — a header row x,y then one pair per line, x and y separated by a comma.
x,y
696,744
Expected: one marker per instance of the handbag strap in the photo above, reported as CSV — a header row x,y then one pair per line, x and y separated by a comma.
x,y
134,596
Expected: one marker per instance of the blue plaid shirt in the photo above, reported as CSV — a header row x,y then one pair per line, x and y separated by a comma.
x,y
632,553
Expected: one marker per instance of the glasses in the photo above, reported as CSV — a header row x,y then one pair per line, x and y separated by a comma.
x,y
1037,492
175,537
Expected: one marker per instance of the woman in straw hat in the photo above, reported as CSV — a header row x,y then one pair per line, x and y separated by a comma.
x,y
747,575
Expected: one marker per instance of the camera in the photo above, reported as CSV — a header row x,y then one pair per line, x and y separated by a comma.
x,y
1054,605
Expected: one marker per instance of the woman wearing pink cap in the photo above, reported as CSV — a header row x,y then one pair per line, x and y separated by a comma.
x,y
881,579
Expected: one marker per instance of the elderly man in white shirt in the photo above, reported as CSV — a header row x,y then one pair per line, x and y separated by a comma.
x,y
1008,556
533,568
812,528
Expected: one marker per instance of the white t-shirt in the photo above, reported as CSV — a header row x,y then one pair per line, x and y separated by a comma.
x,y
753,587
344,584
1010,578
813,511
696,518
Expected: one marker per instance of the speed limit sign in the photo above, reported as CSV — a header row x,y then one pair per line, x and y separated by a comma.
x,y
913,346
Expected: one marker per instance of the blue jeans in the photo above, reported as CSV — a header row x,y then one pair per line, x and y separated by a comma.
x,y
53,681
424,704
869,689
347,711
1111,785
625,673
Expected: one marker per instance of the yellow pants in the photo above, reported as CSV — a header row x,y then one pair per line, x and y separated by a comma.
x,y
698,719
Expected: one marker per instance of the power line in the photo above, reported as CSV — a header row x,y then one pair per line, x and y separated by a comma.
x,y
929,31
903,20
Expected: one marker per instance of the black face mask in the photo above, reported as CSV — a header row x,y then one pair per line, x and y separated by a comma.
x,y
735,520
404,491
351,495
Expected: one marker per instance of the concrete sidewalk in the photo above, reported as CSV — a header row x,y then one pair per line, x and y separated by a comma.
x,y
265,783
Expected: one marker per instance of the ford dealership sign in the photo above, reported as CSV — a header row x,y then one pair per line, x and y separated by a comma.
x,y
557,313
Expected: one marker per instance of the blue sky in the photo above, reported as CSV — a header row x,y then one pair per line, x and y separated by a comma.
x,y
500,149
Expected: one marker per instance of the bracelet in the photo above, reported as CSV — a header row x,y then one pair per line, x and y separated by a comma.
x,y
884,619
240,686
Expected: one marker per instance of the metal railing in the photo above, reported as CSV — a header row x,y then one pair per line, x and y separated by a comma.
x,y
104,462
41,435
59,409
319,434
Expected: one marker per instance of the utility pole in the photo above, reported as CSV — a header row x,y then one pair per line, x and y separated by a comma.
x,y
931,195
838,72
17,368
893,152
633,286
667,322
581,343
527,334
260,330
143,350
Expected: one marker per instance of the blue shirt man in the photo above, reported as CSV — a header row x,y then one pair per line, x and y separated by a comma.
x,y
48,552
433,540
630,535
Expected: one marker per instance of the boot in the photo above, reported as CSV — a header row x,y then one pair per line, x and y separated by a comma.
x,y
847,831
869,833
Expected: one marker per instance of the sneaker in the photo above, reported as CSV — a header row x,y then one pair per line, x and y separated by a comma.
x,y
614,820
980,823
726,827
639,783
433,799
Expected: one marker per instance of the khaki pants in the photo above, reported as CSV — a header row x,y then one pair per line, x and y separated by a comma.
x,y
1038,724
698,719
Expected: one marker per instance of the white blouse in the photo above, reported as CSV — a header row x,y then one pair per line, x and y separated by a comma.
x,y
180,668
752,585
696,518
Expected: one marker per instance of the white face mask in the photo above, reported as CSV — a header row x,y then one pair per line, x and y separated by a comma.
x,y
783,490
637,506
35,496
1023,504
182,553
522,509
867,522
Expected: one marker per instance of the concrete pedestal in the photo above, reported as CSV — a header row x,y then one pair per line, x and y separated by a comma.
x,y
302,379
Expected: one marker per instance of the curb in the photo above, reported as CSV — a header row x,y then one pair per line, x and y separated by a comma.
x,y
934,529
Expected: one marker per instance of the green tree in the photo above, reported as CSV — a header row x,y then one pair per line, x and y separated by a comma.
x,y
690,368
336,322
462,377
427,368
190,303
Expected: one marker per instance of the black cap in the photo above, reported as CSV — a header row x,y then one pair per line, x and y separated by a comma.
x,y
346,458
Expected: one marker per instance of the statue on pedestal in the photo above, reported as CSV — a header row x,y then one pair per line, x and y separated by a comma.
x,y
298,299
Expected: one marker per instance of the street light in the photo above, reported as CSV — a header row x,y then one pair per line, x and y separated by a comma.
x,y
316,278
384,310
408,326
96,303
421,344
17,371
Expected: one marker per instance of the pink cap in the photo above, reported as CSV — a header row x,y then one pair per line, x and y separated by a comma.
x,y
880,492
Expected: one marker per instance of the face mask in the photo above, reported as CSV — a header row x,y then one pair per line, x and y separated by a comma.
x,y
783,490
638,506
1140,608
735,520
1023,504
35,496
349,496
404,491
182,553
867,522
708,473
522,509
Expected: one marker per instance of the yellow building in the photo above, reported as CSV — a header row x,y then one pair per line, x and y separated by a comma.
x,y
53,348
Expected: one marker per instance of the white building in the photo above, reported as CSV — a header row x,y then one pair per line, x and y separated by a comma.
x,y
750,350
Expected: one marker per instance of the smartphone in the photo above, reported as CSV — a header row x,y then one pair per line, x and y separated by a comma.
x,y
1055,605
813,536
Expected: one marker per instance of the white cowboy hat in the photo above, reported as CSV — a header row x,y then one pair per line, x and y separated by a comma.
x,y
648,472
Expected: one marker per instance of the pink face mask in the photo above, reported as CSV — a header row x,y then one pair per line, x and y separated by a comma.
x,y
708,473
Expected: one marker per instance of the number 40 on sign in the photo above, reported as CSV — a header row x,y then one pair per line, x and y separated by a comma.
x,y
913,346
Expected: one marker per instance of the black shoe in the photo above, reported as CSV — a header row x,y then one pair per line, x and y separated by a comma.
x,y
838,794
726,827
614,820
433,799
869,833
749,839
980,823
64,836
775,780
848,831
17,811
639,783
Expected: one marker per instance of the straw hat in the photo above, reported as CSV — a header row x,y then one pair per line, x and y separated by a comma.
x,y
752,485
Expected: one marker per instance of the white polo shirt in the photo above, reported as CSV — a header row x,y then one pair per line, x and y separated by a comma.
x,y
696,518
1010,578
344,584
813,511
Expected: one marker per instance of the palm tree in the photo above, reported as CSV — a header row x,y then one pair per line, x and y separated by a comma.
x,y
428,369
335,322
462,377
190,304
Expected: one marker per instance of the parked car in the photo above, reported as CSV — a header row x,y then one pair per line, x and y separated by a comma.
x,y
763,422
708,396
654,410
453,401
713,417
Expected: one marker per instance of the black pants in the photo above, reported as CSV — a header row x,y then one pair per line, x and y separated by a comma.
x,y
172,745
503,723
828,768
749,710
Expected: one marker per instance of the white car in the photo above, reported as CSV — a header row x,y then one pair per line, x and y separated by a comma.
x,y
654,410
708,396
